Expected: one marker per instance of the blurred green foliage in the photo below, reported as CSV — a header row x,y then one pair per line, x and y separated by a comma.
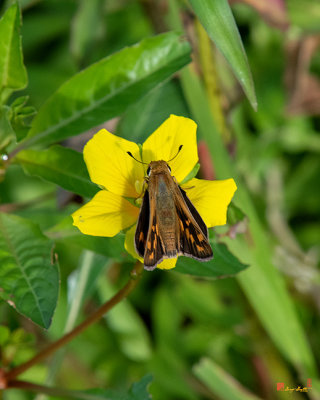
x,y
197,337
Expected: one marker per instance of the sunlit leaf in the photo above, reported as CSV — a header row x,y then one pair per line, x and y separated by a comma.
x,y
106,88
220,382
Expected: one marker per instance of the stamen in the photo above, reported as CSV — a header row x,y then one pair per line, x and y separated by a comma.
x,y
138,185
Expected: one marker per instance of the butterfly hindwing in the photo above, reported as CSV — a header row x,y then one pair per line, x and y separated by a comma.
x,y
194,213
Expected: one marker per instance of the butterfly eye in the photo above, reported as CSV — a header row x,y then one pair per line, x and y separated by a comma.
x,y
169,168
148,171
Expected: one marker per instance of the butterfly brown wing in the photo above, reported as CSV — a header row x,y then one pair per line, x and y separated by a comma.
x,y
142,225
193,231
147,239
154,250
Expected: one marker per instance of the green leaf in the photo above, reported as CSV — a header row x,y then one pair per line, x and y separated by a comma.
x,y
223,264
60,165
13,75
217,19
29,277
107,88
191,174
220,382
68,234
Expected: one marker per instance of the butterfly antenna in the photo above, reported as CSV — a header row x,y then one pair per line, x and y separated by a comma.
x,y
130,154
180,147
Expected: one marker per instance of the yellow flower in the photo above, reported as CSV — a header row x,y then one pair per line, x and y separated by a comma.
x,y
116,206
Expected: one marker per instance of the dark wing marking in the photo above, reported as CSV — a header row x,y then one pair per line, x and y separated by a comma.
x,y
193,231
154,250
194,213
141,234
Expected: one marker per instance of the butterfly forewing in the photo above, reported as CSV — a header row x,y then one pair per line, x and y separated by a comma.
x,y
194,213
154,251
147,240
142,225
193,231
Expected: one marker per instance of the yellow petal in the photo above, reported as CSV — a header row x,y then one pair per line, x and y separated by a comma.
x,y
168,263
129,246
105,215
211,199
109,164
164,144
129,243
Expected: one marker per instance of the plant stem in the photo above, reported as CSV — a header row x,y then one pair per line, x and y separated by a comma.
x,y
124,292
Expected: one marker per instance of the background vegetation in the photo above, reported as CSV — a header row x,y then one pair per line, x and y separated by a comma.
x,y
186,336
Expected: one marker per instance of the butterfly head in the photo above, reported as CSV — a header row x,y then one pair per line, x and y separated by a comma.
x,y
158,167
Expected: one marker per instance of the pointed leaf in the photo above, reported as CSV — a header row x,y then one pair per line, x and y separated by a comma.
x,y
107,88
217,19
29,278
13,75
220,382
59,165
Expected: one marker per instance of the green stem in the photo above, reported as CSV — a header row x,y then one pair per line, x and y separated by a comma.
x,y
53,347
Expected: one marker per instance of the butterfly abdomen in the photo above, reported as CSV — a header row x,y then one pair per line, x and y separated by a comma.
x,y
166,218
